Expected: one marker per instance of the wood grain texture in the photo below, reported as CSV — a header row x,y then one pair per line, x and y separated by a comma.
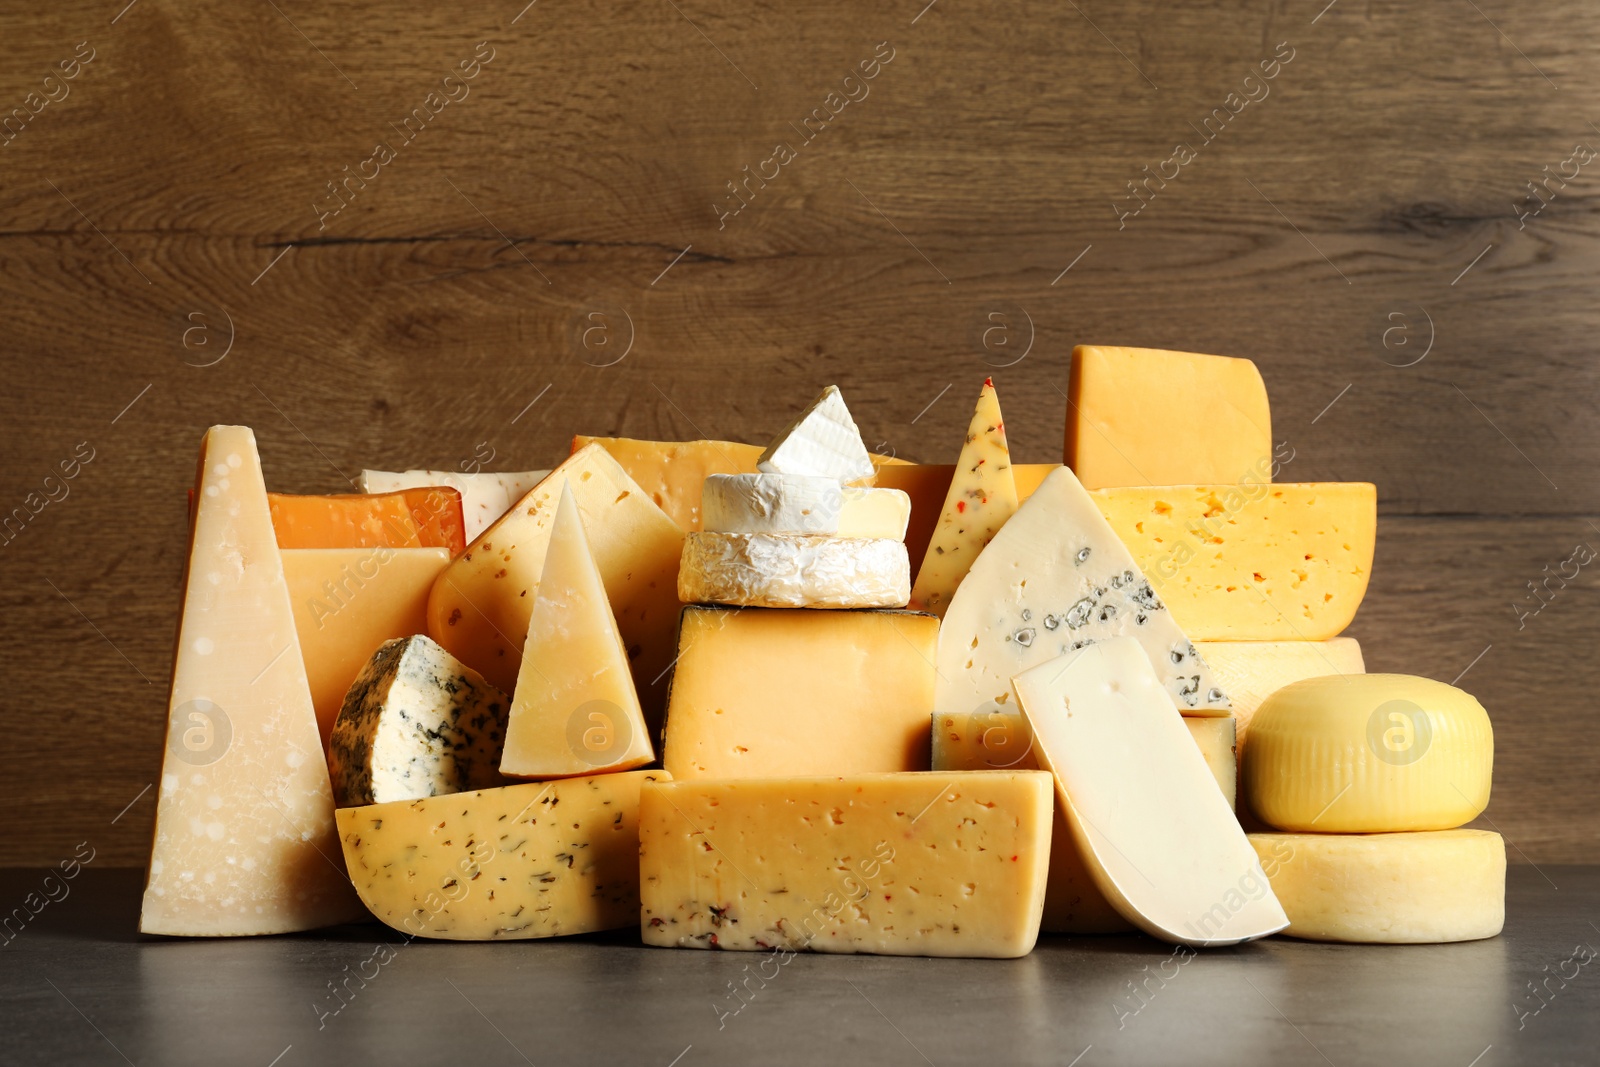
x,y
479,291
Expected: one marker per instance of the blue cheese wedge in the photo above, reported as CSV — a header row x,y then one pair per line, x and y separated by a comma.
x,y
416,723
1055,579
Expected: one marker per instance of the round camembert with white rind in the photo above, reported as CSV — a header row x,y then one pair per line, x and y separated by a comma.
x,y
801,504
794,571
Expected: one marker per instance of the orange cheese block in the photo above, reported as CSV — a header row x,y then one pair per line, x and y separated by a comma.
x,y
412,518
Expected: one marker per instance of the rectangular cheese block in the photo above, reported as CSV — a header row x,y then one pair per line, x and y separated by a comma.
x,y
244,836
1251,671
763,692
347,602
415,518
1143,416
542,859
1251,562
926,864
485,496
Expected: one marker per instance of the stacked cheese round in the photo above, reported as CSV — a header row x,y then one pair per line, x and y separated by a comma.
x,y
1374,773
797,541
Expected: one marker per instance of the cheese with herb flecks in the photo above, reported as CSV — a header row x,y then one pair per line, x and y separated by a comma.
x,y
822,442
540,859
417,722
1054,579
794,571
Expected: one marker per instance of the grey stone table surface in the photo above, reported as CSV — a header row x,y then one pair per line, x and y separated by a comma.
x,y
78,985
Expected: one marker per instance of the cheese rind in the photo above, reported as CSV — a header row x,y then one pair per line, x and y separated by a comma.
x,y
541,859
981,497
416,723
1394,889
575,709
794,571
771,503
1157,835
1144,416
1369,753
1252,562
758,693
823,441
244,813
924,864
485,496
1054,579
1251,671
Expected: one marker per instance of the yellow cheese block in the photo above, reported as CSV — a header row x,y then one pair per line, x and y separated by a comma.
x,y
1369,753
1143,416
672,473
481,604
575,709
541,859
927,864
1254,562
981,497
763,692
1405,888
244,813
1251,671
347,602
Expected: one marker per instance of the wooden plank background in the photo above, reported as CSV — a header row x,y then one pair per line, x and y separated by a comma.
x,y
546,256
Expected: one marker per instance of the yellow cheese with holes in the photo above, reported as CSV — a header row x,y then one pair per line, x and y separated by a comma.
x,y
1404,888
1144,416
1252,562
1369,753
763,692
926,864
349,601
481,604
1251,671
541,859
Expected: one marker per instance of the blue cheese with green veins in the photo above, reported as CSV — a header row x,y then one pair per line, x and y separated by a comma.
x,y
1054,579
417,722
823,442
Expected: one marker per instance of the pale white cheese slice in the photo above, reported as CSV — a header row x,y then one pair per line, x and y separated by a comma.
x,y
822,442
794,571
1157,835
801,504
484,496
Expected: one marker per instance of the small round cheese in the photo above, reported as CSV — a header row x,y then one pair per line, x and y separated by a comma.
x,y
771,503
794,571
1406,888
1368,753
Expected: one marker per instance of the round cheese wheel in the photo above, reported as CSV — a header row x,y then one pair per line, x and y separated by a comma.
x,y
1407,888
1368,753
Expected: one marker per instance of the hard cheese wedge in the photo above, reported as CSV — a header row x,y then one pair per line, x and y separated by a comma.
x,y
1056,578
981,497
1253,562
822,441
481,605
415,518
927,864
1369,753
928,483
1142,416
794,571
1406,888
673,473
575,711
761,693
1159,838
1251,671
347,602
484,496
541,859
244,834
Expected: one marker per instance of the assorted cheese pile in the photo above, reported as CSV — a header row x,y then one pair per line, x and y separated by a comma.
x,y
692,687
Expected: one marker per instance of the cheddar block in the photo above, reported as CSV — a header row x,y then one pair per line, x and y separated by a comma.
x,y
982,496
1251,671
244,814
1143,416
415,518
793,571
481,605
1369,753
347,602
1157,835
416,723
541,859
673,473
485,496
758,693
926,864
1393,889
575,711
1254,562
822,441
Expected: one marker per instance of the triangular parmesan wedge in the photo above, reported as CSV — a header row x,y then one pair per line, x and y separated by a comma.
x,y
982,496
1155,832
822,442
245,840
575,710
1056,578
